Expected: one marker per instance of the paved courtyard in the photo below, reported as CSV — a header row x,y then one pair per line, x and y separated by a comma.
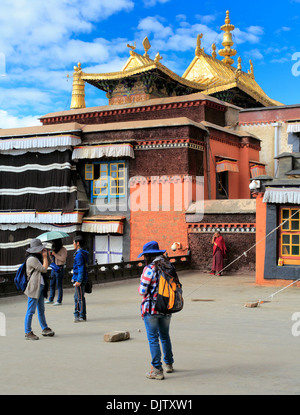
x,y
220,347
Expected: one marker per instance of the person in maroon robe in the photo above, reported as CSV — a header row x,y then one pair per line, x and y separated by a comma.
x,y
219,253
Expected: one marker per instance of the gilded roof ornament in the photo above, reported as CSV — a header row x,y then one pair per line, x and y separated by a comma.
x,y
131,47
227,52
214,53
158,58
239,68
147,46
251,71
198,49
78,93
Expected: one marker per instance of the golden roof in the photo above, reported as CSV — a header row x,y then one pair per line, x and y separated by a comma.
x,y
139,64
206,73
218,76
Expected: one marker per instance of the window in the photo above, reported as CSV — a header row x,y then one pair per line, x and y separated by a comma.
x,y
222,185
289,246
108,249
107,179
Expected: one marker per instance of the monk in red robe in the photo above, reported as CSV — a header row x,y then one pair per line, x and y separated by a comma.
x,y
219,253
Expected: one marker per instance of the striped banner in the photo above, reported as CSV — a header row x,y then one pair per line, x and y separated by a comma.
x,y
38,181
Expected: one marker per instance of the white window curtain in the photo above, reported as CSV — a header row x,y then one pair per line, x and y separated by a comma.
x,y
108,249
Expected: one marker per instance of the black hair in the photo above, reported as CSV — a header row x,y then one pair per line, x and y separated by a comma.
x,y
57,245
79,239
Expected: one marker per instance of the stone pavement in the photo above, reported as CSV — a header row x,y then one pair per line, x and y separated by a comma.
x,y
220,347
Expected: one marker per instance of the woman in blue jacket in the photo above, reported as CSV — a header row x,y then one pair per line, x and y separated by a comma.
x,y
80,276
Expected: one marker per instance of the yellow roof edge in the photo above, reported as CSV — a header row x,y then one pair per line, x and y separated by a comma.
x,y
141,69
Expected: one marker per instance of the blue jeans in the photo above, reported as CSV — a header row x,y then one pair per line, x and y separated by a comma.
x,y
56,281
34,303
157,327
80,304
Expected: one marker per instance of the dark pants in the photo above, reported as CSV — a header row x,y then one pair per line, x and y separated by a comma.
x,y
56,281
80,304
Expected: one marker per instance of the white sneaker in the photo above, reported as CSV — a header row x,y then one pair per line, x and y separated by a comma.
x,y
48,302
57,303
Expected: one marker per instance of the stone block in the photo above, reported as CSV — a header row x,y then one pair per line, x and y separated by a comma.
x,y
116,336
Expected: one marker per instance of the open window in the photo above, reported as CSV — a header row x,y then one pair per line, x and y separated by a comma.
x,y
224,165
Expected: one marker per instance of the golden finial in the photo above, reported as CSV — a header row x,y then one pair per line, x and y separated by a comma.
x,y
251,72
198,49
239,68
131,47
214,53
227,52
78,92
158,57
147,46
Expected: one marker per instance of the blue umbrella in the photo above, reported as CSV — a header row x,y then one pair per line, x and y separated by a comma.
x,y
51,236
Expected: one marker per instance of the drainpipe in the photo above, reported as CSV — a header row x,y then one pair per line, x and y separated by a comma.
x,y
208,164
277,126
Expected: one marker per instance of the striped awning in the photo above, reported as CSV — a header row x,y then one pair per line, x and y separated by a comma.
x,y
227,165
29,217
257,170
103,224
282,195
293,128
99,151
38,142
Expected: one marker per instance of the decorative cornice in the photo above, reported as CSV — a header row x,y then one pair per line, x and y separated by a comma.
x,y
170,143
142,109
221,227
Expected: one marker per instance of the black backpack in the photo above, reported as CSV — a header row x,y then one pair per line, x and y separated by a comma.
x,y
169,296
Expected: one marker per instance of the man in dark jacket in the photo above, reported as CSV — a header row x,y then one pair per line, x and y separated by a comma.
x,y
80,276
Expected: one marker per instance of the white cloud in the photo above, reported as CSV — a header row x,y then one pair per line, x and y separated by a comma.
x,y
10,121
30,26
251,34
153,25
151,3
254,54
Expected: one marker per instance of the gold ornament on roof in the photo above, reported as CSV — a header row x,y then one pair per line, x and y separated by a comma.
x,y
227,52
147,46
251,72
78,93
214,53
199,50
158,57
239,68
131,47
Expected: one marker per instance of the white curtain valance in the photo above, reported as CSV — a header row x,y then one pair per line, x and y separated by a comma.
x,y
282,195
293,128
97,225
42,226
38,142
40,217
96,152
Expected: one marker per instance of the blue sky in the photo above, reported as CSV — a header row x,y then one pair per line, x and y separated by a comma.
x,y
41,41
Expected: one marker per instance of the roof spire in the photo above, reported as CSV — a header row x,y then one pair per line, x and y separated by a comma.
x,y
78,93
214,53
198,49
227,52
